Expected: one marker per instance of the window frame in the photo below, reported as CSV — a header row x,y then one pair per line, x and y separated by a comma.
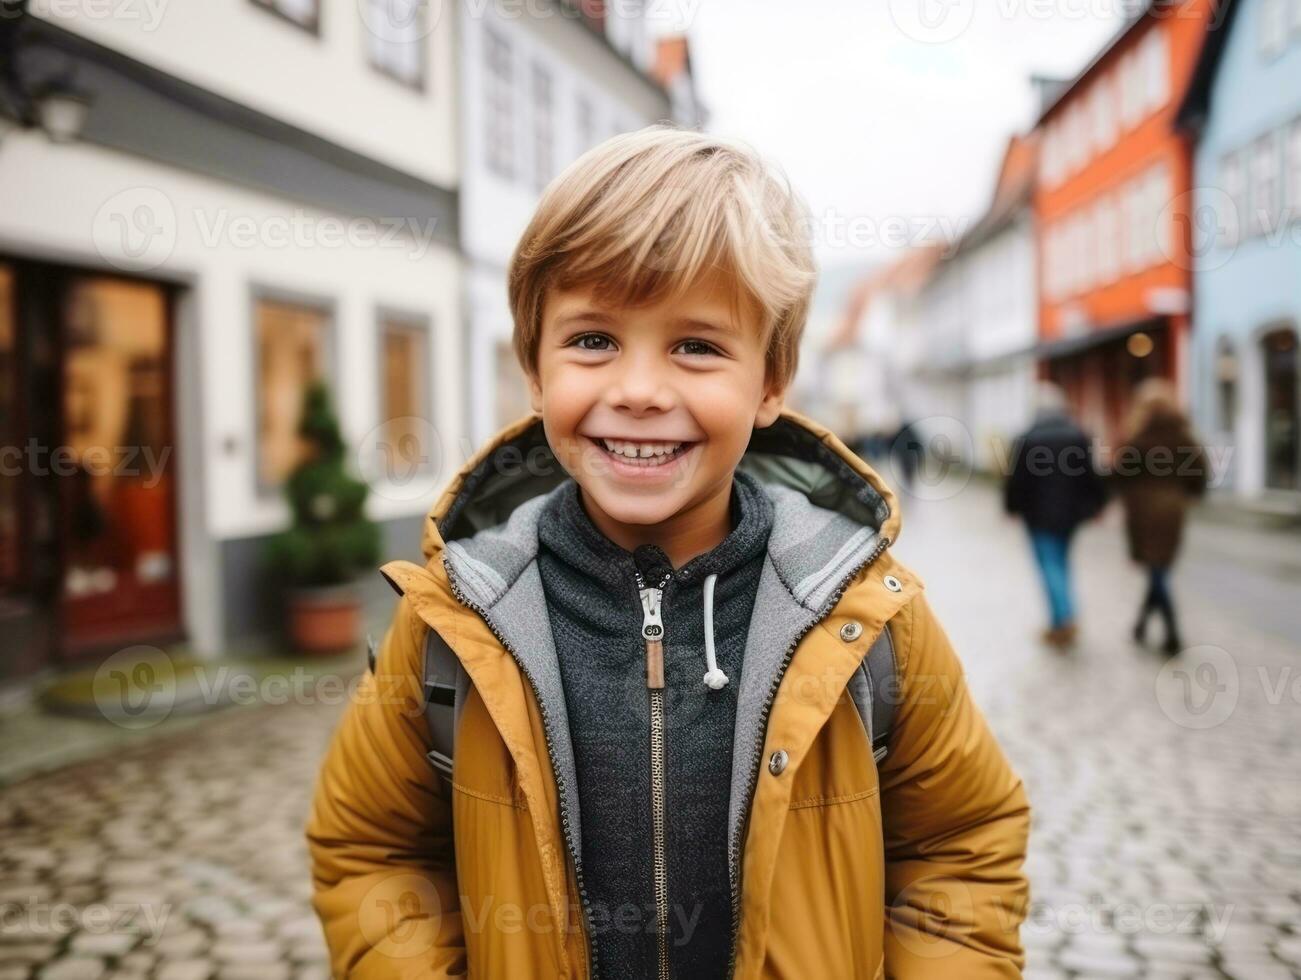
x,y
325,305
273,8
388,317
420,84
499,105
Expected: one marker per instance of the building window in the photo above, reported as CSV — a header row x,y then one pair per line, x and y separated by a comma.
x,y
586,124
543,127
1264,186
1106,235
1130,77
1104,116
499,105
405,403
292,352
305,13
1159,193
395,32
1226,386
1294,166
1273,27
1233,181
1156,70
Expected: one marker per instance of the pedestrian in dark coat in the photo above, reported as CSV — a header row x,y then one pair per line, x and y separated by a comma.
x,y
1158,471
1054,487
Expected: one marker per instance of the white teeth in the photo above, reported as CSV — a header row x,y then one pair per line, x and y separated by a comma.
x,y
640,450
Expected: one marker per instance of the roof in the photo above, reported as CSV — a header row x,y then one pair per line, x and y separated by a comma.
x,y
1013,190
1066,89
1197,100
908,274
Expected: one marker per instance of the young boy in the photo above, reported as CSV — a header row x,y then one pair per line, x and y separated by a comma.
x,y
668,599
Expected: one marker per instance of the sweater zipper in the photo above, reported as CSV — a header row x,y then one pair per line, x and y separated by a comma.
x,y
753,778
551,755
652,631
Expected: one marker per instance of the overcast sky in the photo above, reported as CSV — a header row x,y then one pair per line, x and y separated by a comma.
x,y
888,124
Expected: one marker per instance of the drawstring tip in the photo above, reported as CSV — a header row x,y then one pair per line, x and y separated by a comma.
x,y
715,679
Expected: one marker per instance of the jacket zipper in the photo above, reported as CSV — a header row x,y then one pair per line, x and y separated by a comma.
x,y
753,779
652,630
546,731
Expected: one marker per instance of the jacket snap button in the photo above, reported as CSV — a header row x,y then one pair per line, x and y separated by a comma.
x,y
851,631
892,583
777,762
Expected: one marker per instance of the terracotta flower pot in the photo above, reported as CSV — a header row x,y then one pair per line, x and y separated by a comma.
x,y
325,619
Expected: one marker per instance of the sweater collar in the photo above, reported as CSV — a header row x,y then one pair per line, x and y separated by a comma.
x,y
566,529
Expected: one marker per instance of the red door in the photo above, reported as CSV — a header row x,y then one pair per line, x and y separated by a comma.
x,y
117,515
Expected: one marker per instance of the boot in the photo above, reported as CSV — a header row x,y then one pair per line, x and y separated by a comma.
x,y
1173,641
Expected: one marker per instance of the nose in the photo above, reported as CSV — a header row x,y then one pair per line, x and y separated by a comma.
x,y
642,383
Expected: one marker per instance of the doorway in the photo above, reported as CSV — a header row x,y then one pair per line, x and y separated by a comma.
x,y
88,534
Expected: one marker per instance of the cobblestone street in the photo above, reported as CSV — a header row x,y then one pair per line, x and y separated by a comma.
x,y
1167,796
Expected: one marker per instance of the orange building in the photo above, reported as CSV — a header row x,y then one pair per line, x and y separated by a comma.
x,y
1112,202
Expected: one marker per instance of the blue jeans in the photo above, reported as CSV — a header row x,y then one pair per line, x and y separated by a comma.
x,y
1051,551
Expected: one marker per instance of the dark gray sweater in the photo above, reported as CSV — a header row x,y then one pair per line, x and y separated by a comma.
x,y
595,610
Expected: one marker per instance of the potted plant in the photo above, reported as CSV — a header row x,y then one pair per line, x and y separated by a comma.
x,y
330,540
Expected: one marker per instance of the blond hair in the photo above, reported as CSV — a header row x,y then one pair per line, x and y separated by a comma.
x,y
647,215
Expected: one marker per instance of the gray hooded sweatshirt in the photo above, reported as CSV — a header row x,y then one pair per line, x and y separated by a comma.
x,y
595,609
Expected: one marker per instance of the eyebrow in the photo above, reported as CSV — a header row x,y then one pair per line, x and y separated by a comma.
x,y
726,328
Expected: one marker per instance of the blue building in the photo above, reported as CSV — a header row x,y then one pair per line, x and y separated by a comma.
x,y
1244,111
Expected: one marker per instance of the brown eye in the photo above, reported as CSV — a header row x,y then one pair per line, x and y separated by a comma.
x,y
580,341
699,344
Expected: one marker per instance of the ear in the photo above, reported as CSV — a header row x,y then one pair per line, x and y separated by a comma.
x,y
770,408
535,392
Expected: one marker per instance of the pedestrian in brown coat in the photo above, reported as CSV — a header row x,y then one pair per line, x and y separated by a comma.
x,y
1159,469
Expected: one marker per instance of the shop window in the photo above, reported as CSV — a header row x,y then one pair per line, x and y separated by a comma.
x,y
292,352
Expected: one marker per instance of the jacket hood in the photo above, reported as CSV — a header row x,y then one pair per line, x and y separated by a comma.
x,y
517,465
832,515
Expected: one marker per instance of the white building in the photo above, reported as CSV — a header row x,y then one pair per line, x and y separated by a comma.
x,y
973,360
261,191
539,91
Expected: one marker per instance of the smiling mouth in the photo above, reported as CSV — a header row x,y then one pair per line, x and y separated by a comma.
x,y
642,454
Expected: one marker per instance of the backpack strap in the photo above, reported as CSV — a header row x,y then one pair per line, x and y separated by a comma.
x,y
445,687
875,690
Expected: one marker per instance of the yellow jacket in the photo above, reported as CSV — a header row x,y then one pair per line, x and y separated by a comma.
x,y
910,868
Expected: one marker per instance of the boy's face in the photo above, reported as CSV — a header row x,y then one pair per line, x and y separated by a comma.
x,y
689,372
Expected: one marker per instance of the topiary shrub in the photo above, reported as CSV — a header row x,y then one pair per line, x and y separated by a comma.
x,y
331,539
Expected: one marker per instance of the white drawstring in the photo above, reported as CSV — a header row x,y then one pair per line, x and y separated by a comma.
x,y
714,678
